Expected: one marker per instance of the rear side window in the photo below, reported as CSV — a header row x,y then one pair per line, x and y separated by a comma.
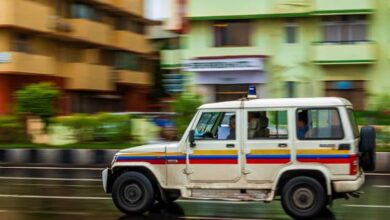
x,y
324,123
354,125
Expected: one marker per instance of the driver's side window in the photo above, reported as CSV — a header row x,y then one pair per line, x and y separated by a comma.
x,y
216,126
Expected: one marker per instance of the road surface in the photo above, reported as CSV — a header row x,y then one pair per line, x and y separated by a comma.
x,y
68,193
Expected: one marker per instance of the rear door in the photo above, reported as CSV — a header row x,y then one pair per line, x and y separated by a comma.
x,y
267,142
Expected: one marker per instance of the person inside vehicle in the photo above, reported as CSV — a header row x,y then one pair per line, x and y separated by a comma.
x,y
302,126
263,131
253,124
232,126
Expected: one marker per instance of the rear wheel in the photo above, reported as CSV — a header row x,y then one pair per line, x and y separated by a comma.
x,y
132,192
303,198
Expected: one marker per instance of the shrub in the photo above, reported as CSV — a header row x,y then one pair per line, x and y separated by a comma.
x,y
83,126
112,128
12,130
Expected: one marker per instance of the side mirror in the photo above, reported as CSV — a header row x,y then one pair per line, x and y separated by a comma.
x,y
191,138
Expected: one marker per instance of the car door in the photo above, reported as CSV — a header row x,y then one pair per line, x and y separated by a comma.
x,y
267,142
215,156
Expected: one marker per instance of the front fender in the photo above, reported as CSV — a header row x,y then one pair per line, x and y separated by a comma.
x,y
158,171
305,167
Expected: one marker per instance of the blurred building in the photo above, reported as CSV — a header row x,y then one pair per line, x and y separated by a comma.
x,y
287,48
96,51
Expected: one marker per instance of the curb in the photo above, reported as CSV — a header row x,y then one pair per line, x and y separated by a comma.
x,y
56,157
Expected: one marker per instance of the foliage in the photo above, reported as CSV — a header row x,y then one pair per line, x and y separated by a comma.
x,y
37,99
82,124
185,105
98,128
112,128
382,102
12,130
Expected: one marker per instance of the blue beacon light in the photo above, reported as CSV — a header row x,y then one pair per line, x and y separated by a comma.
x,y
252,92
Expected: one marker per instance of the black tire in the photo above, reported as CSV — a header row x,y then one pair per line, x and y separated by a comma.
x,y
133,192
367,148
303,198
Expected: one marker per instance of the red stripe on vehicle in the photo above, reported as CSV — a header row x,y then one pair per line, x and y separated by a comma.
x,y
267,161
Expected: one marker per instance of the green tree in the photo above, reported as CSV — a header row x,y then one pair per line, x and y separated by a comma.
x,y
38,100
185,106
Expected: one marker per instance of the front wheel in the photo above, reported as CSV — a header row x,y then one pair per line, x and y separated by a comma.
x,y
303,198
132,192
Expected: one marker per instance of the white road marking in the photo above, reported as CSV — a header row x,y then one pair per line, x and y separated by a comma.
x,y
369,206
216,218
377,174
46,212
48,179
53,168
381,186
54,197
56,185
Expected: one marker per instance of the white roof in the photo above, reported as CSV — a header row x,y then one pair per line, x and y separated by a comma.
x,y
276,103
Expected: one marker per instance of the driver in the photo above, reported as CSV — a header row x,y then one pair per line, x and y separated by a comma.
x,y
232,126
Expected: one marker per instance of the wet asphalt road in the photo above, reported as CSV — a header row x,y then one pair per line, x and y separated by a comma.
x,y
43,193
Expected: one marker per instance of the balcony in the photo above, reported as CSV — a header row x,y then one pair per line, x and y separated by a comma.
x,y
135,7
171,58
25,14
224,52
131,41
133,77
233,9
83,76
357,53
90,31
324,7
16,62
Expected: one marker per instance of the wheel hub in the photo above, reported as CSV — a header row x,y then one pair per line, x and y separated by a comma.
x,y
303,198
133,193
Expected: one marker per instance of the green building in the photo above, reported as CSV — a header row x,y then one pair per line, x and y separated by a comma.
x,y
286,48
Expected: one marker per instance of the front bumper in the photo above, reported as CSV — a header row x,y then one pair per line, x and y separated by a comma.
x,y
349,186
105,179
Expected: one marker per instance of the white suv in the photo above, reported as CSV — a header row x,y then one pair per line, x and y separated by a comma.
x,y
305,151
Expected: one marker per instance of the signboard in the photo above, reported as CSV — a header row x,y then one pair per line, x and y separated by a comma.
x,y
212,65
5,57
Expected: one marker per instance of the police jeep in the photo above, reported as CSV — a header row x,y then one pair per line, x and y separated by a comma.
x,y
305,152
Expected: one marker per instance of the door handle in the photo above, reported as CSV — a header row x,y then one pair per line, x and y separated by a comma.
x,y
229,145
282,145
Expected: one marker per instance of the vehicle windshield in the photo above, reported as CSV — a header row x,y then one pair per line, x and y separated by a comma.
x,y
354,125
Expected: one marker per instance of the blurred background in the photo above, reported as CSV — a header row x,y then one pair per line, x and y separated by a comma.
x,y
81,79
118,73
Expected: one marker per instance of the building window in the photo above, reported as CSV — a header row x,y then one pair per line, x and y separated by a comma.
x,y
290,89
22,43
347,28
124,24
291,31
232,33
84,11
127,61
